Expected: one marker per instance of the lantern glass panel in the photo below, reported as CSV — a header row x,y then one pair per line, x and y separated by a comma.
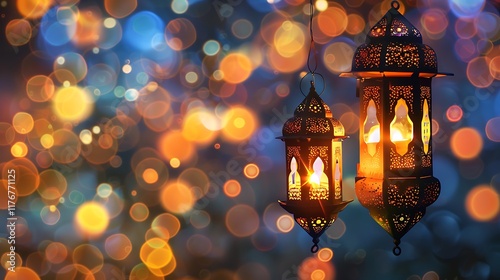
x,y
401,128
319,181
426,127
294,181
371,128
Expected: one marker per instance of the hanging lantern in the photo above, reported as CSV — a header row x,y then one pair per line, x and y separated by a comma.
x,y
394,177
313,148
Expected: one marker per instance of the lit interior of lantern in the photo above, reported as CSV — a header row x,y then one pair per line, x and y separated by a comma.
x,y
401,129
314,179
371,128
319,181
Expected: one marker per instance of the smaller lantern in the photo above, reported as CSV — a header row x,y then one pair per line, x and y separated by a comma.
x,y
394,71
313,147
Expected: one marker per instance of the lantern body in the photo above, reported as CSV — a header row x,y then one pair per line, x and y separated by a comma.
x,y
394,70
313,149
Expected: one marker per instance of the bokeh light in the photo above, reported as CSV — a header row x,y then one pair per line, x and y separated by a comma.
x,y
466,143
251,170
72,104
483,203
177,198
454,113
18,32
232,188
22,273
285,223
56,252
22,122
33,9
139,212
236,68
118,246
242,220
157,255
88,256
120,9
165,226
493,129
19,149
325,254
91,219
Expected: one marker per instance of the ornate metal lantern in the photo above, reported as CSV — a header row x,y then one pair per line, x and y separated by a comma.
x,y
394,71
313,147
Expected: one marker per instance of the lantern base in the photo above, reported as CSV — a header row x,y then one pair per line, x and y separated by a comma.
x,y
314,216
313,207
397,204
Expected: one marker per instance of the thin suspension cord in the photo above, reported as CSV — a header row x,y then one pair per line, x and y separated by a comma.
x,y
312,48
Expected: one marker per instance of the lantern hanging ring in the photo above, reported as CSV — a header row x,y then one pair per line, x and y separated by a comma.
x,y
395,5
315,247
312,82
396,250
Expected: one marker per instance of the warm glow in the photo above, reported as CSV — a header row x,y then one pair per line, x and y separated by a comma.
x,y
401,132
157,255
426,127
314,178
92,219
319,181
373,136
19,149
150,176
72,104
466,143
371,128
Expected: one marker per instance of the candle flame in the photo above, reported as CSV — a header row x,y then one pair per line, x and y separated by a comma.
x,y
314,178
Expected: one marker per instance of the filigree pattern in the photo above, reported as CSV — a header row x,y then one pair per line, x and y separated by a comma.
x,y
319,193
303,223
379,29
405,161
397,92
293,126
430,58
317,125
403,199
427,159
319,151
402,55
398,28
371,92
368,56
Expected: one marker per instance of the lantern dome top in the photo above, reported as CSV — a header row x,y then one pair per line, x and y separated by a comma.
x,y
394,47
313,119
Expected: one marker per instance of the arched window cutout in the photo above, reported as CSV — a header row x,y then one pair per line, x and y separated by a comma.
x,y
318,181
401,128
336,180
294,181
371,128
426,127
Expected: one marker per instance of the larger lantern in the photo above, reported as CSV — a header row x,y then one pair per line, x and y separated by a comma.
x,y
394,178
313,147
